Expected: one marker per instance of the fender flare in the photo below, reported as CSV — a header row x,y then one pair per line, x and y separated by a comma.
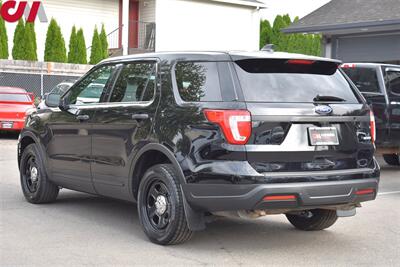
x,y
195,219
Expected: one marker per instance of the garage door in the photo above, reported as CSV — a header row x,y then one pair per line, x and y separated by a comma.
x,y
374,48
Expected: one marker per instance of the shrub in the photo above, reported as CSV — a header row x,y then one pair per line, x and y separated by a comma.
x,y
96,53
30,42
18,51
55,50
81,48
104,43
3,39
72,51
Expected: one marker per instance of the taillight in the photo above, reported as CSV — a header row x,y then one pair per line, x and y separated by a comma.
x,y
300,61
235,124
372,126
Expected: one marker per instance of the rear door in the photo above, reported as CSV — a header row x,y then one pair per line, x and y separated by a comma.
x,y
392,81
305,117
368,80
122,126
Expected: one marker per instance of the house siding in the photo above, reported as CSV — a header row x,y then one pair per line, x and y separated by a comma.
x,y
147,11
205,25
83,14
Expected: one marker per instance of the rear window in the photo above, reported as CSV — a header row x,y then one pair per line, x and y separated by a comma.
x,y
198,81
366,79
277,80
14,98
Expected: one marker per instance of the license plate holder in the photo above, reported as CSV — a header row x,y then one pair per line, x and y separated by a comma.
x,y
7,125
323,136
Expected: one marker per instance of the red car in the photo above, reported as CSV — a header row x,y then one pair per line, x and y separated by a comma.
x,y
15,103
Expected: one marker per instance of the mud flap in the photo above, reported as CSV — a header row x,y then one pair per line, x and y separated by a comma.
x,y
195,220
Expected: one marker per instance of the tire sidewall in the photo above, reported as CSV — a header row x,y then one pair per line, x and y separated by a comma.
x,y
155,235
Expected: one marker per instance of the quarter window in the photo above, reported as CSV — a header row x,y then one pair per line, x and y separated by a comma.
x,y
136,83
198,81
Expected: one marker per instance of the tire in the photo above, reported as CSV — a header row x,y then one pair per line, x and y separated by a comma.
x,y
313,220
392,159
35,185
160,206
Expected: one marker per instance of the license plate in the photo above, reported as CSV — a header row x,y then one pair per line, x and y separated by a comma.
x,y
6,125
323,136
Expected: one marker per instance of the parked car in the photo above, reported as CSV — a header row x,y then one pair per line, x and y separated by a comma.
x,y
15,104
189,134
380,85
56,93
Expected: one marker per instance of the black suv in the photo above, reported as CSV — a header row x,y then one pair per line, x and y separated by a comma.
x,y
188,135
380,85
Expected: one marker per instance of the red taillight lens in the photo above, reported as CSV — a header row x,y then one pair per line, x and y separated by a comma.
x,y
372,126
235,124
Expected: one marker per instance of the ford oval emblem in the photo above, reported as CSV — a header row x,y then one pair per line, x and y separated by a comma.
x,y
323,110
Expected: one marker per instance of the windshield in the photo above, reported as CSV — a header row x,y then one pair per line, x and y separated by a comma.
x,y
268,80
15,98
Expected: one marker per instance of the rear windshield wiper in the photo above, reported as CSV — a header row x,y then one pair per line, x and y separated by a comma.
x,y
322,98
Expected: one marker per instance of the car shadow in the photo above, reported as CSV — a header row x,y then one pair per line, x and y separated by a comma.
x,y
221,231
8,135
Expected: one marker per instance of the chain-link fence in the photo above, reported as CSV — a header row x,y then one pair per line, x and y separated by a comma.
x,y
39,84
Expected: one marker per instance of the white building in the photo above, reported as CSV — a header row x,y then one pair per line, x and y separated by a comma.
x,y
161,25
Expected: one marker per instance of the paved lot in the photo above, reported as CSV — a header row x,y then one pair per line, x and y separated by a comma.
x,y
81,229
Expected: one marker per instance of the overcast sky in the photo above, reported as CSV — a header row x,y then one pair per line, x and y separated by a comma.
x,y
292,7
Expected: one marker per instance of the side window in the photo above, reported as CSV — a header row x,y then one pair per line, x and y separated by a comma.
x,y
198,81
90,89
393,81
135,83
366,79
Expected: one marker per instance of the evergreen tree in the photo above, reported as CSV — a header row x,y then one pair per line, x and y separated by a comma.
x,y
276,33
96,53
104,42
55,50
30,42
18,51
72,52
295,43
3,39
81,48
265,33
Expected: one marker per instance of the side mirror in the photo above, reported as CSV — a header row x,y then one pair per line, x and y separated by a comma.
x,y
52,100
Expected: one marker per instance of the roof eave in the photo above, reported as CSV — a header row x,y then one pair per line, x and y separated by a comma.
x,y
337,27
243,3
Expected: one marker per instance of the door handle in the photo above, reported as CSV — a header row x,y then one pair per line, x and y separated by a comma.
x,y
83,117
140,117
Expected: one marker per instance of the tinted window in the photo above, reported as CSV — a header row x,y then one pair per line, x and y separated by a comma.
x,y
393,81
365,79
90,89
14,98
280,81
198,81
135,83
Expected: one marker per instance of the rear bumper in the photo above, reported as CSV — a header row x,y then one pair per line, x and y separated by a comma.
x,y
308,195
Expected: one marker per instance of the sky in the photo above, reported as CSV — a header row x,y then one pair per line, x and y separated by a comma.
x,y
292,7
